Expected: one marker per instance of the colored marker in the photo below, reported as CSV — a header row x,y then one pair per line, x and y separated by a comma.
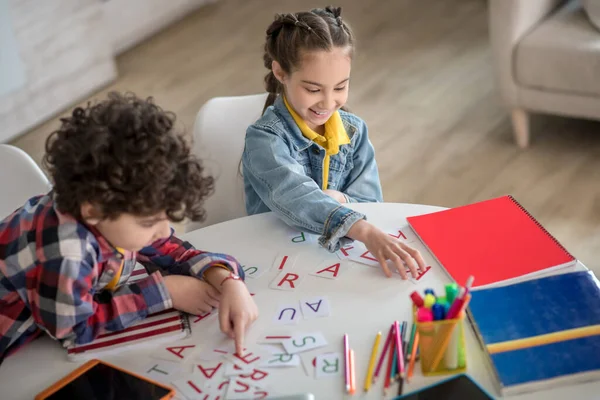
x,y
457,304
424,315
429,300
438,312
451,292
417,299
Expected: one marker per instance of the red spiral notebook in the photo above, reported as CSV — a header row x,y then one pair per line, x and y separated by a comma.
x,y
497,241
164,326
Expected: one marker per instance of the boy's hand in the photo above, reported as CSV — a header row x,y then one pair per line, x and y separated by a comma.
x,y
236,312
385,247
191,295
334,194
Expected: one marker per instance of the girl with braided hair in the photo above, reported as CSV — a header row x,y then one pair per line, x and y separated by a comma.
x,y
306,156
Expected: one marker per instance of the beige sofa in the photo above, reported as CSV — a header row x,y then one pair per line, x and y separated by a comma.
x,y
546,56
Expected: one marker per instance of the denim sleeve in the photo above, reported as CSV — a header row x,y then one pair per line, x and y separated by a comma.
x,y
281,183
362,184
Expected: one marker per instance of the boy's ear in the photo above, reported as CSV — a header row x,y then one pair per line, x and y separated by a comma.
x,y
90,213
278,71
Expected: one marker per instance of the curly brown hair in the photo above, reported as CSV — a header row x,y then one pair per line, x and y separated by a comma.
x,y
124,155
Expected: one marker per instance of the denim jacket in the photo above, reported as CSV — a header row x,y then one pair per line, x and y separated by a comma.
x,y
283,173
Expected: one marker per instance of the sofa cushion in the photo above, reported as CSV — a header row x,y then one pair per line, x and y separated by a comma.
x,y
561,54
592,8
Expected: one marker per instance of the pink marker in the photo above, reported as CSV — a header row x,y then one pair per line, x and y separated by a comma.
x,y
457,304
424,314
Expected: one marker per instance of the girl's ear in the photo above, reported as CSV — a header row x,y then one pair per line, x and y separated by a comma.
x,y
278,72
90,214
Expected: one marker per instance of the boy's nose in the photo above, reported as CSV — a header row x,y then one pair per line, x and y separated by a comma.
x,y
165,229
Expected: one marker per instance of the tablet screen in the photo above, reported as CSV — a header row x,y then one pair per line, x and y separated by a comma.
x,y
458,388
102,382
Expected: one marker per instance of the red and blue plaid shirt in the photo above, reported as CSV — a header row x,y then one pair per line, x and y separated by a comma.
x,y
53,269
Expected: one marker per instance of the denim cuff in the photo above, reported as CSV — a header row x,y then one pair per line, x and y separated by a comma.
x,y
349,199
337,226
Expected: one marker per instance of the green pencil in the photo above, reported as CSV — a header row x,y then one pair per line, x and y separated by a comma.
x,y
411,341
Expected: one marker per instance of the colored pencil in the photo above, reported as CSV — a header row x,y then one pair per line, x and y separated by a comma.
x,y
352,373
370,370
386,346
347,362
388,373
413,356
394,371
399,349
400,385
411,341
404,334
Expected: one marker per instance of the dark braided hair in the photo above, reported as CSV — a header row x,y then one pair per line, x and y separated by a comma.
x,y
289,34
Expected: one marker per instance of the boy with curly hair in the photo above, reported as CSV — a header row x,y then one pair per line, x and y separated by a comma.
x,y
121,173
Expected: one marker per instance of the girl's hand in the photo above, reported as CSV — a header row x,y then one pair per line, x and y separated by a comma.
x,y
236,312
334,194
385,247
191,295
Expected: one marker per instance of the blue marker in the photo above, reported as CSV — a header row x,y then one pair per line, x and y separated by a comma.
x,y
438,311
429,291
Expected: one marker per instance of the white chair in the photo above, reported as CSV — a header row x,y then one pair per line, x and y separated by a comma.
x,y
219,133
20,179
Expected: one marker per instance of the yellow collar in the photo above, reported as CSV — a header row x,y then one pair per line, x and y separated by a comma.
x,y
335,133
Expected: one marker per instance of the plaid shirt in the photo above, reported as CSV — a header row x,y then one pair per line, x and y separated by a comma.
x,y
53,270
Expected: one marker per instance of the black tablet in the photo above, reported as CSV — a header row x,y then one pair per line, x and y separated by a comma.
x,y
99,380
459,387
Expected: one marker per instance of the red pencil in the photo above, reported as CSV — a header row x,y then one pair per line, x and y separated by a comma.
x,y
386,346
388,378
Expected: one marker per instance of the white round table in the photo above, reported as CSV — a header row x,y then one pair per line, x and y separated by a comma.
x,y
363,301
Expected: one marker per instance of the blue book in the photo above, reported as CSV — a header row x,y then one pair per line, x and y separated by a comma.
x,y
540,333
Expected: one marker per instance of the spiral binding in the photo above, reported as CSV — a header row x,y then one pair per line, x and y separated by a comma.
x,y
185,320
540,226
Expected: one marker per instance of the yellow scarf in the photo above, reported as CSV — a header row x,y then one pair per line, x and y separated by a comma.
x,y
335,135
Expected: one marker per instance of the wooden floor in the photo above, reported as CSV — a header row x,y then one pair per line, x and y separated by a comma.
x,y
422,80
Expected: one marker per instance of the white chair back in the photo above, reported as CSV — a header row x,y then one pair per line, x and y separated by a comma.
x,y
219,133
20,179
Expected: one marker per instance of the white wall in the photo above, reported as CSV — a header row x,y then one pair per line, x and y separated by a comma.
x,y
131,21
65,56
64,50
12,73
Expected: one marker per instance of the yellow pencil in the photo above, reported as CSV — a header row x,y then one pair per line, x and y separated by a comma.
x,y
369,378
